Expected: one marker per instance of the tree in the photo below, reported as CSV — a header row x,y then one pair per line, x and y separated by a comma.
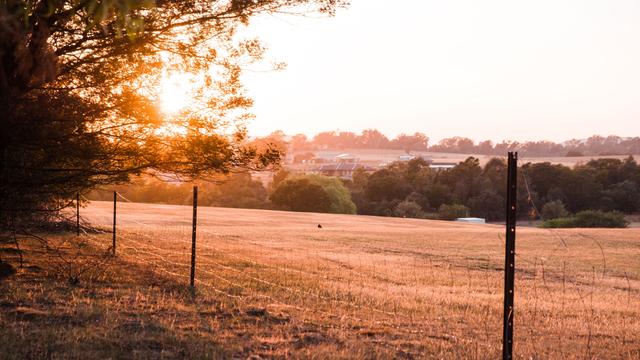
x,y
455,144
554,210
236,190
278,177
78,82
299,142
373,139
301,194
313,193
408,209
325,140
387,184
417,141
464,178
339,195
452,212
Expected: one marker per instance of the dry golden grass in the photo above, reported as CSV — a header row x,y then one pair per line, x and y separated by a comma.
x,y
272,284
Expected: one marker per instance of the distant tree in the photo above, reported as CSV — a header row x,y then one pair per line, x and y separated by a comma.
x,y
438,194
574,153
325,140
373,139
487,202
630,170
279,177
313,193
625,197
418,198
464,179
299,142
455,144
589,219
452,212
408,209
359,179
416,142
387,184
496,170
338,194
416,168
546,176
485,147
301,194
346,139
553,210
233,190
505,146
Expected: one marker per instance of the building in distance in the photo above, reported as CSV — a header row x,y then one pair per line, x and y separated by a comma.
x,y
343,167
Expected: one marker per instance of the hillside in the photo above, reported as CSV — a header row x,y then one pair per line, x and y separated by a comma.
x,y
274,284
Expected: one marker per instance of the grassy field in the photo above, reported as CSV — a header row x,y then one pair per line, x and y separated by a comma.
x,y
274,285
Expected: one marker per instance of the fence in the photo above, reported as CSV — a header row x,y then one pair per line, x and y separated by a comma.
x,y
428,285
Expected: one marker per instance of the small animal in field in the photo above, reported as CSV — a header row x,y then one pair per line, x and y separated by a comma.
x,y
319,226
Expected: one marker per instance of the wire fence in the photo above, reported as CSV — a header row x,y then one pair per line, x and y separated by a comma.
x,y
577,291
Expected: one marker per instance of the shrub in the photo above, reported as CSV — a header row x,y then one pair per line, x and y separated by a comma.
x,y
589,219
339,195
313,193
574,153
300,194
408,209
452,212
554,210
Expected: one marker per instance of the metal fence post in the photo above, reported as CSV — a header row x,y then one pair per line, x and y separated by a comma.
x,y
509,257
115,197
193,237
78,214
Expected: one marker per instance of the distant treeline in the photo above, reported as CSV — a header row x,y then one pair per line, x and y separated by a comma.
x,y
413,189
235,190
374,139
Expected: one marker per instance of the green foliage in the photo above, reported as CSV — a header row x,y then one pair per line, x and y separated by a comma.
x,y
554,210
278,177
313,193
78,95
574,153
301,194
338,194
387,184
589,219
408,209
234,190
452,212
557,190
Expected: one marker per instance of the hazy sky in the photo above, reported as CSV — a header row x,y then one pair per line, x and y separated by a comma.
x,y
523,70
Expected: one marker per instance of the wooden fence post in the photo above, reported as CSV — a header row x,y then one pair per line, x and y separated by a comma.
x,y
193,237
509,257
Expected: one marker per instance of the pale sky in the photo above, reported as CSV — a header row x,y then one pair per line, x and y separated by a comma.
x,y
490,69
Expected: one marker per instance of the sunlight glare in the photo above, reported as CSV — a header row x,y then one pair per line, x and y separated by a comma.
x,y
174,92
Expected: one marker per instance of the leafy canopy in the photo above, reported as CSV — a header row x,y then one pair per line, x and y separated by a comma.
x,y
79,86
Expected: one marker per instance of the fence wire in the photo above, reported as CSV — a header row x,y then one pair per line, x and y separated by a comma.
x,y
577,291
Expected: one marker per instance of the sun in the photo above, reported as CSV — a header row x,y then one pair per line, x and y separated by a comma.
x,y
175,91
